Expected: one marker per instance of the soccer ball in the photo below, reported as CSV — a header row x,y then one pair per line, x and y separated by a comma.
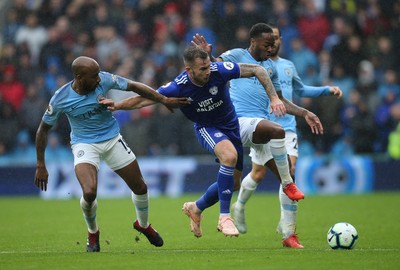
x,y
342,235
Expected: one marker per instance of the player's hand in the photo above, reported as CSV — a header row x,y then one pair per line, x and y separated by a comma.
x,y
335,91
109,103
277,107
41,177
200,41
173,102
314,122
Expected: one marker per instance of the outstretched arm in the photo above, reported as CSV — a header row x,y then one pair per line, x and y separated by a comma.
x,y
250,70
149,93
311,119
41,175
130,103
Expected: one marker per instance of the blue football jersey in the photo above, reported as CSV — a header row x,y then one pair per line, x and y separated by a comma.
x,y
90,121
211,105
248,95
291,84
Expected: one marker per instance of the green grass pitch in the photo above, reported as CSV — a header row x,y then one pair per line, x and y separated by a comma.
x,y
38,234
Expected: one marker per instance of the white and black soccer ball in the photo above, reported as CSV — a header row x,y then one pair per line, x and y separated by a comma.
x,y
342,235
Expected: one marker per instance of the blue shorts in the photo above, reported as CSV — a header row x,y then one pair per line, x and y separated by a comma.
x,y
208,137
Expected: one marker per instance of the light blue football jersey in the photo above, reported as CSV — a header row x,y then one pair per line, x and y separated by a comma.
x,y
211,105
247,94
90,121
291,84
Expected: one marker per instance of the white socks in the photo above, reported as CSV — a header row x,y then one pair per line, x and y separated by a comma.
x,y
89,214
288,214
141,203
247,189
279,152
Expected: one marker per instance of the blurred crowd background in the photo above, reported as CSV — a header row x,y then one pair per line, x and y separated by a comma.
x,y
353,44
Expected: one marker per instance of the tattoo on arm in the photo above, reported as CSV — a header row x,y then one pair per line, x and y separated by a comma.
x,y
249,70
292,108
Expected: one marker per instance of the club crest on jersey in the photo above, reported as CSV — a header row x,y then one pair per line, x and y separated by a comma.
x,y
49,109
269,70
288,72
228,65
213,90
218,135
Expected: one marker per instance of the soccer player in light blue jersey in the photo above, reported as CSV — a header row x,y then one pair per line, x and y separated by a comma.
x,y
291,84
204,83
265,138
95,135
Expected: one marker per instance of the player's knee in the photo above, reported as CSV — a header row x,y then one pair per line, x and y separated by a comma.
x,y
258,175
140,188
89,194
229,159
277,132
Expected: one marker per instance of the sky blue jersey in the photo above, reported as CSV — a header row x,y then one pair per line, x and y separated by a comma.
x,y
292,84
90,121
248,95
211,105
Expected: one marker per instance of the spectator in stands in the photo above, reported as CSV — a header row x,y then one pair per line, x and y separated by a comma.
x,y
198,24
24,151
384,120
11,26
340,29
394,143
364,130
284,18
340,78
31,111
11,89
134,36
302,57
349,53
111,48
33,34
370,18
385,58
52,49
56,151
9,126
228,23
390,83
50,11
26,72
165,130
66,36
313,25
250,14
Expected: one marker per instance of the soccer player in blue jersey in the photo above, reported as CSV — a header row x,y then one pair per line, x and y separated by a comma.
x,y
265,138
95,135
215,122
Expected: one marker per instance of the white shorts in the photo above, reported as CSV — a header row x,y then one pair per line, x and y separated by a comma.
x,y
115,153
259,153
291,143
